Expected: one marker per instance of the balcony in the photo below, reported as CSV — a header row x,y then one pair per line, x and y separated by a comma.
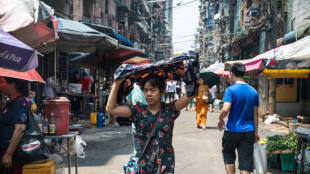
x,y
145,7
143,26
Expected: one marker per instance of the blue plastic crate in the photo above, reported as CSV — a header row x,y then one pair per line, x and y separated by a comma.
x,y
287,161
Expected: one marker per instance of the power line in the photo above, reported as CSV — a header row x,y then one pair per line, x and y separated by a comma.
x,y
180,5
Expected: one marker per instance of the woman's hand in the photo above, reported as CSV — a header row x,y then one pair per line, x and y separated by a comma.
x,y
120,81
6,160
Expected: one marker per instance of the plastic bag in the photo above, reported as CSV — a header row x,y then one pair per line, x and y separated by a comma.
x,y
271,118
132,166
260,158
306,157
64,147
76,147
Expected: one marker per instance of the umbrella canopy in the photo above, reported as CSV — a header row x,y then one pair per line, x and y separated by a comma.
x,y
219,69
209,78
16,55
31,75
32,24
77,37
137,60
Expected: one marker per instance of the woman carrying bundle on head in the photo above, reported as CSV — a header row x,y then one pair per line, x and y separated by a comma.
x,y
156,154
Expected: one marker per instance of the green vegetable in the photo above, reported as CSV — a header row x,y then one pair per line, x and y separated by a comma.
x,y
279,143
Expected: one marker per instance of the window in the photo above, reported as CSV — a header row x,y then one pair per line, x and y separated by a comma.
x,y
285,81
106,5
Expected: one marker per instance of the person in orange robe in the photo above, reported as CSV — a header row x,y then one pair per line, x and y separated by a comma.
x,y
201,106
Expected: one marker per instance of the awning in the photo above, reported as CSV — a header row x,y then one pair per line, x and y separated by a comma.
x,y
110,32
286,73
113,57
255,65
288,61
291,56
28,20
77,37
123,40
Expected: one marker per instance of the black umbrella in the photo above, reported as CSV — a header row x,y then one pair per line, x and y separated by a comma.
x,y
209,78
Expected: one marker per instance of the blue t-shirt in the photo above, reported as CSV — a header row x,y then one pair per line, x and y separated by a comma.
x,y
243,98
15,112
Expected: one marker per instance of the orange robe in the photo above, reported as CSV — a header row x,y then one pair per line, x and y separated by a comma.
x,y
201,107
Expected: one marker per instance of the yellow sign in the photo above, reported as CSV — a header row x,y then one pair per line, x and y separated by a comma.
x,y
286,73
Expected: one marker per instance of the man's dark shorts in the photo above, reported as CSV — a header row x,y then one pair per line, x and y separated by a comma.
x,y
243,142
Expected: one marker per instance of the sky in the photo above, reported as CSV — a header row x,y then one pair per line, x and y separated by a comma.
x,y
185,24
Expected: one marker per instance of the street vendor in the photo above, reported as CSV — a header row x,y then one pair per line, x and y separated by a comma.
x,y
86,87
12,122
50,86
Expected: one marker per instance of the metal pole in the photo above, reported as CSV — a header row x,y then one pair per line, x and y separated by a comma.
x,y
151,45
55,68
274,34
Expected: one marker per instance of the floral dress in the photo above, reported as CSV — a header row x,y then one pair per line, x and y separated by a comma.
x,y
159,154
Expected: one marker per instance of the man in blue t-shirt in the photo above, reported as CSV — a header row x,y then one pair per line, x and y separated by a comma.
x,y
241,101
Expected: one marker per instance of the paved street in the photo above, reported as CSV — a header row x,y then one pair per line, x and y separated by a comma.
x,y
197,151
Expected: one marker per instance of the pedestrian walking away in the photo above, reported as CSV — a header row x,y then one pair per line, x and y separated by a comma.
x,y
171,88
201,106
178,89
241,101
212,91
158,156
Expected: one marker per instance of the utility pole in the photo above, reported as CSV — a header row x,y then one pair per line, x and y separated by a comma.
x,y
274,36
151,44
203,49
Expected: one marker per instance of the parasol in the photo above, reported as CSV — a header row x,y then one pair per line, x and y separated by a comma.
x,y
16,55
219,69
209,78
31,75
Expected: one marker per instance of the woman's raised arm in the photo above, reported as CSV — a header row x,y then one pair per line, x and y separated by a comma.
x,y
183,102
111,105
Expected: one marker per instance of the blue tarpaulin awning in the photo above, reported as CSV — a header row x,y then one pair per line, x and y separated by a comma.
x,y
123,40
112,33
